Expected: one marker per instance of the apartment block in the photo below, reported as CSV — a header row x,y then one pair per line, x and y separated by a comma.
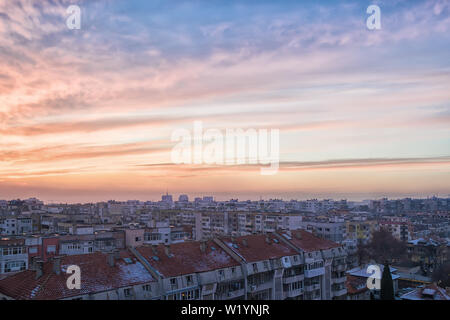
x,y
13,256
288,265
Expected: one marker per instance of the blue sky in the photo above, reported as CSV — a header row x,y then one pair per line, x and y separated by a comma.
x,y
88,109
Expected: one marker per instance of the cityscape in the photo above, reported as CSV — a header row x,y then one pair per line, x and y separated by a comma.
x,y
203,249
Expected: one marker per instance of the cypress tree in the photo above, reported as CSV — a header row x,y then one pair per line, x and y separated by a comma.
x,y
387,285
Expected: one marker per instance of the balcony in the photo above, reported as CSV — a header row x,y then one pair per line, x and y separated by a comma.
x,y
339,267
338,280
259,287
312,287
314,272
293,293
287,280
338,293
310,296
233,294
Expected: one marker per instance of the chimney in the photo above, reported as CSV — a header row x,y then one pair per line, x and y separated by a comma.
x,y
316,233
57,265
203,246
244,242
33,263
298,235
111,259
39,269
267,239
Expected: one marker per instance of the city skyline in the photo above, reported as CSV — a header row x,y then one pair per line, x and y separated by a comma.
x,y
223,199
87,115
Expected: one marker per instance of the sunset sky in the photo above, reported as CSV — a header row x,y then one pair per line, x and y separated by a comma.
x,y
87,115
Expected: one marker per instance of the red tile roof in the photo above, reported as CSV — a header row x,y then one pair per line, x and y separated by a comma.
x,y
309,242
257,249
11,242
356,285
96,276
187,257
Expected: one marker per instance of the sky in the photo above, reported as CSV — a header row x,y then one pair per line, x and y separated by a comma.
x,y
88,114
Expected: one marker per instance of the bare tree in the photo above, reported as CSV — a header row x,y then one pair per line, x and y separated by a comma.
x,y
442,275
383,247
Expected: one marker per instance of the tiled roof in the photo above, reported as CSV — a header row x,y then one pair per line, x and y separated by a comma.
x,y
186,258
308,242
356,285
11,242
96,276
257,249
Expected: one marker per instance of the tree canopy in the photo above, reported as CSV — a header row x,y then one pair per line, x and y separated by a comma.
x,y
382,247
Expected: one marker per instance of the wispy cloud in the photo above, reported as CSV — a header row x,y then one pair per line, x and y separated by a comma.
x,y
113,91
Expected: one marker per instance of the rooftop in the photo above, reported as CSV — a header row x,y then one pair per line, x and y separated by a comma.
x,y
428,292
96,276
186,258
308,242
254,248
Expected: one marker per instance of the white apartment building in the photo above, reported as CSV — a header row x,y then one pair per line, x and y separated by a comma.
x,y
213,224
13,255
10,225
333,231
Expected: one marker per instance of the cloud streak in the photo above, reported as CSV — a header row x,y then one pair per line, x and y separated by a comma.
x,y
107,97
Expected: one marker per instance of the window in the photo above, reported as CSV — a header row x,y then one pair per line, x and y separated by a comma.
x,y
173,283
13,251
33,250
127,292
146,288
51,249
297,285
189,280
14,266
233,270
189,295
255,267
266,265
